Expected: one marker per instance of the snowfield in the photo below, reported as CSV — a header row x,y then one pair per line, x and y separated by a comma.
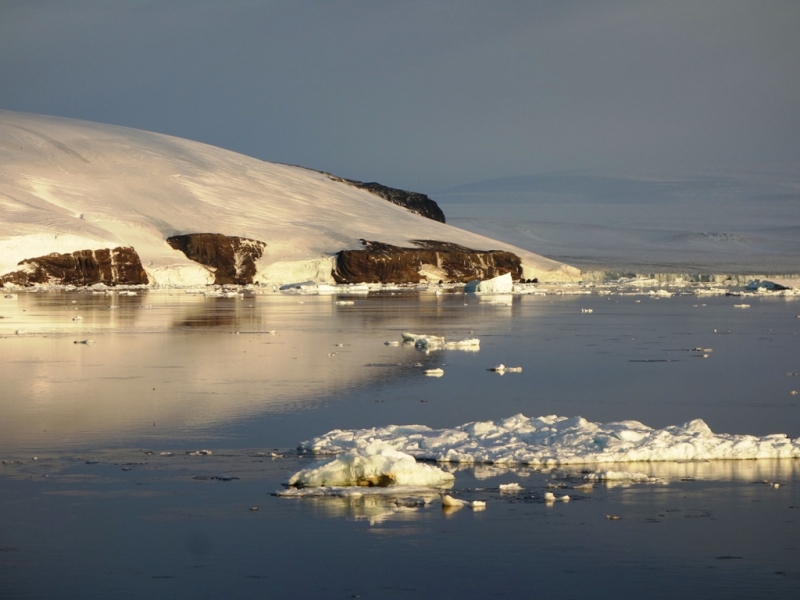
x,y
68,185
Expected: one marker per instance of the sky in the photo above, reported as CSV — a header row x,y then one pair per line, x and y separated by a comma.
x,y
427,95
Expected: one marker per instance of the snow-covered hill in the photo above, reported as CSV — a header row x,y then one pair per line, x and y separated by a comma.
x,y
68,185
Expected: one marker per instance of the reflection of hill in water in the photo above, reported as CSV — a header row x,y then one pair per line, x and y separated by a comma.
x,y
179,365
233,316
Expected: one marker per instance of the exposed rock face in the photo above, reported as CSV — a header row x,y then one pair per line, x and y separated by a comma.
x,y
116,266
384,263
417,203
233,259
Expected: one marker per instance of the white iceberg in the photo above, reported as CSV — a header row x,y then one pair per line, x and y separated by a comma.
x,y
497,285
553,440
372,464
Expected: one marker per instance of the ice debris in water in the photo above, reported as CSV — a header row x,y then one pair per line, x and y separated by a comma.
x,y
435,342
554,440
434,372
502,369
510,488
620,476
550,497
450,502
373,463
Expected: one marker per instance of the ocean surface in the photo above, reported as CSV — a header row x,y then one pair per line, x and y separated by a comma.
x,y
139,433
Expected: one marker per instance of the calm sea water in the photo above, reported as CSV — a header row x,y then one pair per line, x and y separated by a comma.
x,y
101,513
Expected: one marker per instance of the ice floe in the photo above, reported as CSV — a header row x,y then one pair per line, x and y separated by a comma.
x,y
373,463
510,488
620,476
434,372
436,342
553,440
502,369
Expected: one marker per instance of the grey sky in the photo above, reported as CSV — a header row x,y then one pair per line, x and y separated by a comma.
x,y
426,94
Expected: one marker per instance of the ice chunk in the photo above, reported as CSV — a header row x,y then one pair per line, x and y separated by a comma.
x,y
510,488
373,464
469,344
448,502
501,369
434,372
620,476
451,502
497,285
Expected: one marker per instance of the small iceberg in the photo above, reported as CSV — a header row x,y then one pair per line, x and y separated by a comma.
x,y
497,285
374,464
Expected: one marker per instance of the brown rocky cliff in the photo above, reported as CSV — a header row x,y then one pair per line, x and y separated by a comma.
x,y
115,266
232,258
384,263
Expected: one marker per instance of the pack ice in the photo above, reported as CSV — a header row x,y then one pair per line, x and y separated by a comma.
x,y
553,440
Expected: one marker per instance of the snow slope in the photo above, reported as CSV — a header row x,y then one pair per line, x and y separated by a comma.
x,y
68,185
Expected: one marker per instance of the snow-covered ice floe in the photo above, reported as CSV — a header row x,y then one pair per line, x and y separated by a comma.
x,y
435,342
620,476
373,463
553,440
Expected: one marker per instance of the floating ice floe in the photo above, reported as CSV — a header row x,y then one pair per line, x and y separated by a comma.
x,y
553,440
422,339
434,372
620,476
435,342
372,463
502,369
550,497
451,503
587,310
510,488
741,306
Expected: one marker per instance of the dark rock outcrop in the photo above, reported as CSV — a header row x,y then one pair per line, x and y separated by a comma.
x,y
417,203
115,266
233,259
384,263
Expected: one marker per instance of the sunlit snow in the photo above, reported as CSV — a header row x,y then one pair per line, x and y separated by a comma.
x,y
553,440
